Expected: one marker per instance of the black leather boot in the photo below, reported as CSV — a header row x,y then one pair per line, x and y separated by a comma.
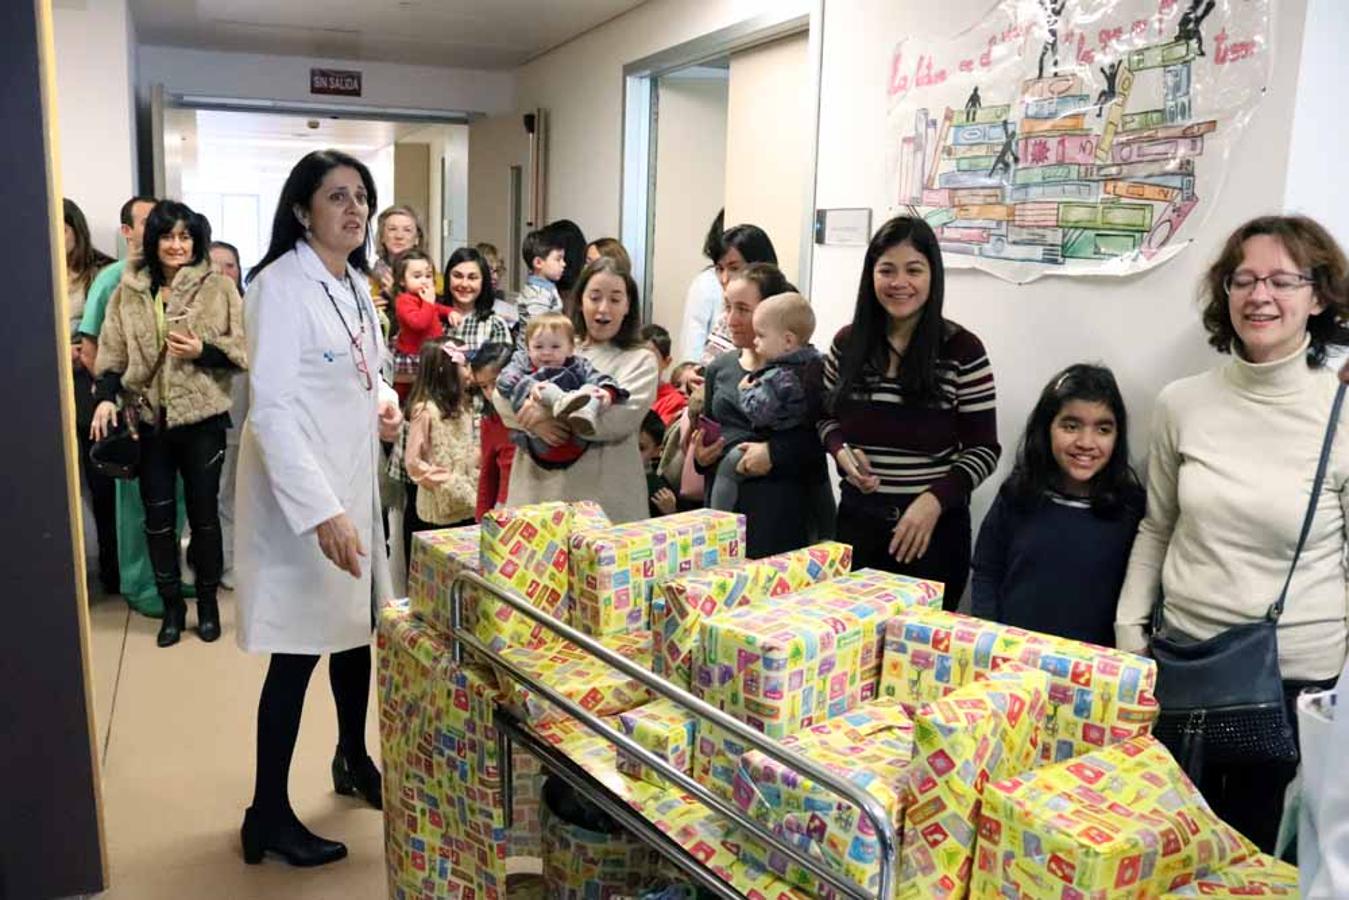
x,y
358,777
175,620
285,835
208,619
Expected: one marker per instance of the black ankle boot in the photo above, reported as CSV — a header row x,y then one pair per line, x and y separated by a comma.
x,y
208,619
285,835
358,777
175,620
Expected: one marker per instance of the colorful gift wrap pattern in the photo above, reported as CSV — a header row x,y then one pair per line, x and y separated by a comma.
x,y
681,603
807,656
871,747
578,676
526,832
1097,697
615,570
524,549
1259,876
438,556
665,729
444,820
703,833
1123,822
579,864
987,730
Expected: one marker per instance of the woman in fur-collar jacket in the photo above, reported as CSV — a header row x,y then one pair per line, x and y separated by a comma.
x,y
174,335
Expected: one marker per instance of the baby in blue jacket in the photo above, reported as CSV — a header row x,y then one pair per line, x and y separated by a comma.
x,y
783,391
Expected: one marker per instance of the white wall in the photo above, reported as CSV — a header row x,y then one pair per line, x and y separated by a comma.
x,y
690,178
1145,327
446,142
581,86
286,78
1316,186
768,139
95,111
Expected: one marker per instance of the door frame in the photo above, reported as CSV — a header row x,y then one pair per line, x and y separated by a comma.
x,y
641,126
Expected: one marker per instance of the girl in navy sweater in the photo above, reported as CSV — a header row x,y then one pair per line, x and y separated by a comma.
x,y
1053,549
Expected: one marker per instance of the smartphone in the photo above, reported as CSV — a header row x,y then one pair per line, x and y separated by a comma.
x,y
710,429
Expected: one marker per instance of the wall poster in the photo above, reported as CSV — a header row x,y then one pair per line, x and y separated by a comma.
x,y
1077,137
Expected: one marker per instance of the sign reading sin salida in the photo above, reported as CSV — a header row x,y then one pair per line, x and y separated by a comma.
x,y
341,82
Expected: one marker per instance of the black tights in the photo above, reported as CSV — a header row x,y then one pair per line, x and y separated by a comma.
x,y
279,711
196,452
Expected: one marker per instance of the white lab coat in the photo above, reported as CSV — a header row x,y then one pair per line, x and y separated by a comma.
x,y
309,450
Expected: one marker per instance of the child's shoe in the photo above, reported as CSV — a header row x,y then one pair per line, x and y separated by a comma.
x,y
550,395
580,418
568,402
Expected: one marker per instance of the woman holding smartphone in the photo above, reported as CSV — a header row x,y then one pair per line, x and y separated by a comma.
x,y
174,335
785,496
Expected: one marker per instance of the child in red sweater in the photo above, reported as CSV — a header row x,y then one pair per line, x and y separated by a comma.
x,y
496,451
420,317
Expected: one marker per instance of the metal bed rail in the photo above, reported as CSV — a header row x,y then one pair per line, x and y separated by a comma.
x,y
869,805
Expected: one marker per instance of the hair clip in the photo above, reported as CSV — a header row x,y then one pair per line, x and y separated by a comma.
x,y
455,354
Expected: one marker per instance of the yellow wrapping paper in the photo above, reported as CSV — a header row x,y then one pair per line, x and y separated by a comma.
x,y
615,570
665,729
444,822
872,747
1259,876
437,557
1097,696
681,603
807,656
987,730
1120,823
585,865
578,676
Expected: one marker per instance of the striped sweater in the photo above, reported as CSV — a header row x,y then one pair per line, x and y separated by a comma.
x,y
947,449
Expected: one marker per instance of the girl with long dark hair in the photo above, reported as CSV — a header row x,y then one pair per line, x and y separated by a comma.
x,y
911,418
1053,549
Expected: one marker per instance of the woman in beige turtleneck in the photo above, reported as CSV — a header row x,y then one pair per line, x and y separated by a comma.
x,y
1234,452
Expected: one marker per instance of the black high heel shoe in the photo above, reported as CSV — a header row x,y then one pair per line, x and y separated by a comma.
x,y
208,620
361,777
286,836
175,620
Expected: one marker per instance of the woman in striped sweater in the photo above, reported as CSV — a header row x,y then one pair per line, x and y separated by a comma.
x,y
911,418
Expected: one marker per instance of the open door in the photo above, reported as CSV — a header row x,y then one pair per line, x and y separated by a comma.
x,y
506,184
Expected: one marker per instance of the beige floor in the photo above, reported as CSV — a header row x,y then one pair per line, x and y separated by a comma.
x,y
177,727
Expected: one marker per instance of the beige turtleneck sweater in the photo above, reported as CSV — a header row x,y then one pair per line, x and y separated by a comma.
x,y
1233,456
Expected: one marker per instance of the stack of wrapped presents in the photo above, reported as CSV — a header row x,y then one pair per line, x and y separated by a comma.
x,y
1010,764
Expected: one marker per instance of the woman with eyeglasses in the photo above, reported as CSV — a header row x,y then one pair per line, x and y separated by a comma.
x,y
309,555
1234,451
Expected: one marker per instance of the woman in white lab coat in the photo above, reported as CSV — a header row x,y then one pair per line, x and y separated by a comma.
x,y
309,547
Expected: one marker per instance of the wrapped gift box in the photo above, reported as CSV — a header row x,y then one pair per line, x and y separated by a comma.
x,y
437,557
872,747
987,730
578,676
681,603
1259,876
579,864
524,549
444,819
664,728
1097,696
806,657
1123,822
615,570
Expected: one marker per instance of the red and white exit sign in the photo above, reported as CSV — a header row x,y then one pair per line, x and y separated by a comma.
x,y
339,82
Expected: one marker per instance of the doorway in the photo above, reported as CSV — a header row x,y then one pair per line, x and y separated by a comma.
x,y
230,165
728,120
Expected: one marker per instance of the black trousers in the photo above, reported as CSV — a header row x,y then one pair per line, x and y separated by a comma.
x,y
948,554
197,453
1250,797
103,495
279,710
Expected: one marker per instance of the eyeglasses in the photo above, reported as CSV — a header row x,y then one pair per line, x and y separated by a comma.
x,y
1280,284
358,338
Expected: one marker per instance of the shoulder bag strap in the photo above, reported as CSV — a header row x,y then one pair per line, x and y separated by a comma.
x,y
1277,609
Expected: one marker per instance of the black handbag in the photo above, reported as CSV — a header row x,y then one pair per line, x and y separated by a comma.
x,y
118,453
1222,699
